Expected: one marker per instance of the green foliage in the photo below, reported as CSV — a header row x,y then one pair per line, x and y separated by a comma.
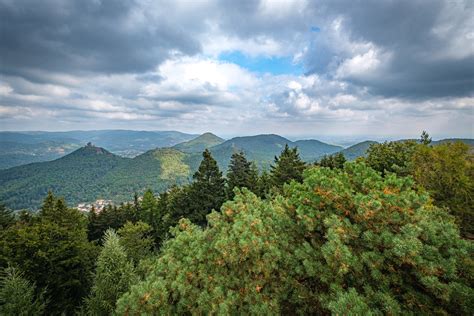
x,y
110,217
200,143
53,251
7,218
17,295
233,267
379,244
447,172
88,174
171,164
207,192
344,242
288,166
358,150
136,239
241,174
425,138
391,157
194,201
113,276
333,161
264,184
148,208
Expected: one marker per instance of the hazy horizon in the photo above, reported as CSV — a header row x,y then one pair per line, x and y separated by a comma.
x,y
298,68
342,140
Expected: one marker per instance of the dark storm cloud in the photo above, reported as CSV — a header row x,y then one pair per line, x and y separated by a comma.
x,y
86,36
430,44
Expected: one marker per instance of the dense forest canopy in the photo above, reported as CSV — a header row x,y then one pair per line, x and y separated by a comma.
x,y
389,233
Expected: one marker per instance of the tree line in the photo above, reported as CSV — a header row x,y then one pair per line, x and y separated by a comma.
x,y
390,233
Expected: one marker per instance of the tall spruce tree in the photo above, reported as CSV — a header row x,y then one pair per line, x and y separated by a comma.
x,y
207,192
113,277
288,166
17,295
148,208
241,174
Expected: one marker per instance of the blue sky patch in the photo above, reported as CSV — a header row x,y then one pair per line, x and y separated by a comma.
x,y
273,65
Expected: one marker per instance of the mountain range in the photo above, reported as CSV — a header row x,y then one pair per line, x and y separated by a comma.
x,y
92,172
19,148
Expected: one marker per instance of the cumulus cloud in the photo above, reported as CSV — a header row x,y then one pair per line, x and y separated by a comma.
x,y
381,67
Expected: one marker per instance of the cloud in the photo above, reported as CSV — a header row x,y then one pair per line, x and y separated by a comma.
x,y
229,66
405,49
88,36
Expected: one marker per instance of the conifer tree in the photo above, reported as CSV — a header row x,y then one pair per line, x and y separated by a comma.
x,y
113,276
333,161
264,184
241,174
425,138
136,206
343,242
53,251
288,166
148,207
17,295
446,171
391,157
93,227
207,192
7,217
136,239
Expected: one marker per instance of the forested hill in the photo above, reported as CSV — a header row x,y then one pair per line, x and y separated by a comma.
x,y
262,149
91,172
18,148
357,150
78,174
198,144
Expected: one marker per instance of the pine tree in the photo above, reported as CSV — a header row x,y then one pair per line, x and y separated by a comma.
x,y
344,242
17,295
241,174
113,276
288,166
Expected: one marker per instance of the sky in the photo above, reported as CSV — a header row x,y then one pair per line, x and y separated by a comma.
x,y
297,68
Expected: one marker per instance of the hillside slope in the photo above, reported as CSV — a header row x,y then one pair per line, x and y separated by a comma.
x,y
200,143
18,148
262,149
76,175
357,150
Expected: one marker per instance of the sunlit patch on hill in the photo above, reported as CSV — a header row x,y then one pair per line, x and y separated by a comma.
x,y
172,165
